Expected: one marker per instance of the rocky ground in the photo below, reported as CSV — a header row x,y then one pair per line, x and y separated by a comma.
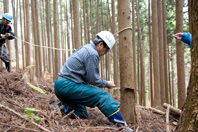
x,y
16,96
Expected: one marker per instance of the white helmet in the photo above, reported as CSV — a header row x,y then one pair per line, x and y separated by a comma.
x,y
107,37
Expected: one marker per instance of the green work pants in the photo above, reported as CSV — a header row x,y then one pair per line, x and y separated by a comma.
x,y
78,96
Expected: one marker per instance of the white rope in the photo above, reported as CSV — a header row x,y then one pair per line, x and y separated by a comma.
x,y
122,30
36,45
39,45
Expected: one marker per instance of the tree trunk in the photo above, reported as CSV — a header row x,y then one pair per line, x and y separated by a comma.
x,y
48,20
156,101
138,62
91,23
22,45
85,23
127,96
38,55
98,17
68,37
169,72
77,42
24,27
165,51
115,49
161,51
15,16
134,49
180,55
35,49
88,21
72,26
151,54
173,83
43,49
56,39
189,117
143,95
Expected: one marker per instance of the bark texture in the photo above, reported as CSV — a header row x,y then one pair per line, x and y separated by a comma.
x,y
180,55
189,117
127,104
156,101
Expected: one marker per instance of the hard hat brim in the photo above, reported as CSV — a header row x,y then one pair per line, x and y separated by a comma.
x,y
7,20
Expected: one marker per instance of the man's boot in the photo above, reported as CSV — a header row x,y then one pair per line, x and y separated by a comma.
x,y
61,106
7,64
119,120
64,107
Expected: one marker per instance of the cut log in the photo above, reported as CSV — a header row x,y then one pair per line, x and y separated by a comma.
x,y
172,109
152,109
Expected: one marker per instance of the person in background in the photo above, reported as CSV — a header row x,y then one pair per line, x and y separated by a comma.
x,y
5,33
185,37
75,83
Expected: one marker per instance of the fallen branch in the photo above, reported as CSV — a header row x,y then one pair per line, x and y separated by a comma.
x,y
172,109
152,109
16,113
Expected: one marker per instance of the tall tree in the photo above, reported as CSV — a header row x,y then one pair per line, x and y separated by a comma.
x,y
77,42
56,39
91,23
72,26
48,21
44,38
85,23
138,60
38,49
173,97
165,50
142,99
27,38
151,53
68,35
22,34
125,61
6,6
143,95
103,57
98,17
107,56
180,56
61,34
134,49
156,101
161,51
15,16
115,49
189,118
34,34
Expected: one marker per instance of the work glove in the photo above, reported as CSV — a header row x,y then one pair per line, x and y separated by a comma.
x,y
5,36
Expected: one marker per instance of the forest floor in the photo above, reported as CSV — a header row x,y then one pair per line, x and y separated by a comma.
x,y
16,96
